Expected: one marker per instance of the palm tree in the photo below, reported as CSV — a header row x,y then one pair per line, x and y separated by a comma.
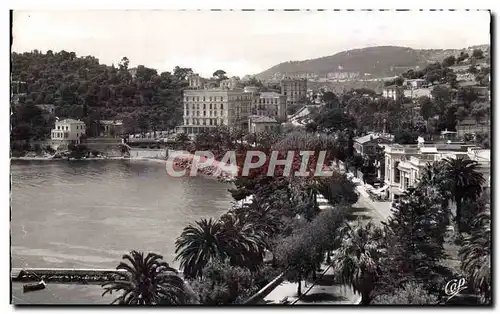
x,y
476,255
148,281
463,181
199,244
246,242
357,261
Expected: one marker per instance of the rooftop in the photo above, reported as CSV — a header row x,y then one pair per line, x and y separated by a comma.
x,y
269,94
111,122
370,137
69,121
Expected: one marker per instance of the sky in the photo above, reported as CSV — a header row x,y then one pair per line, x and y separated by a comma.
x,y
238,42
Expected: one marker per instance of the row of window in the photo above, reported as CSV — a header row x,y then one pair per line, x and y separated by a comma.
x,y
210,113
268,101
63,135
203,122
216,98
197,106
78,127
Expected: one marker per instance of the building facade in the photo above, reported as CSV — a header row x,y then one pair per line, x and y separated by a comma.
x,y
393,91
404,163
196,81
294,90
230,83
208,108
111,128
68,131
269,104
367,145
259,124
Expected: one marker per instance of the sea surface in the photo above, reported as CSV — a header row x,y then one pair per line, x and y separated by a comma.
x,y
87,214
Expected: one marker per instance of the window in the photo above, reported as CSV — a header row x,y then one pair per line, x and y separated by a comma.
x,y
67,128
197,98
210,98
406,183
204,106
204,113
397,173
221,113
222,106
58,127
210,106
203,98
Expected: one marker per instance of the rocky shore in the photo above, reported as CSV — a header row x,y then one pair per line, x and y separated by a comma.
x,y
221,171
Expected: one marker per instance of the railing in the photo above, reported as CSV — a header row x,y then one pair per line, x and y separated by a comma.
x,y
259,296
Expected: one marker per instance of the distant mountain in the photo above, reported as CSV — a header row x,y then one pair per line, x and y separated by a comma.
x,y
377,61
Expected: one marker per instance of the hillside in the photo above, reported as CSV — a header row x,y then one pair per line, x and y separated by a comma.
x,y
82,88
378,61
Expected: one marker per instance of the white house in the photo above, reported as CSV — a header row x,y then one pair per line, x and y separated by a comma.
x,y
68,131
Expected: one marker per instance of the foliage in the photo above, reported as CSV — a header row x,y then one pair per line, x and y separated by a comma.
x,y
449,61
405,136
223,284
416,232
149,281
411,293
477,54
302,252
230,237
198,244
464,181
81,88
337,189
357,262
475,255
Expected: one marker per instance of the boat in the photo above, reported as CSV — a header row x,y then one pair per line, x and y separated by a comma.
x,y
34,287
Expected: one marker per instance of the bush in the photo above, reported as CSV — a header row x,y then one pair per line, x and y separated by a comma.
x,y
411,293
223,284
49,149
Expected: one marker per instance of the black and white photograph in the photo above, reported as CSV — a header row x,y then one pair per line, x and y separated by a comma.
x,y
250,157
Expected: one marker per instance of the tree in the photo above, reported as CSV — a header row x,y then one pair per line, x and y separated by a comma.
x,y
426,107
339,190
182,73
220,75
463,55
464,181
297,257
416,232
223,283
477,54
198,244
148,281
475,255
405,136
449,61
356,262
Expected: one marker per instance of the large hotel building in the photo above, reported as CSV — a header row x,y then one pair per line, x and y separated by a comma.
x,y
206,107
209,108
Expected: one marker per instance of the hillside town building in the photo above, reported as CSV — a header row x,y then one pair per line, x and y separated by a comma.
x,y
294,90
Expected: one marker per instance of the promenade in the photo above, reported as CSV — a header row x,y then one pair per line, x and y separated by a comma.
x,y
325,290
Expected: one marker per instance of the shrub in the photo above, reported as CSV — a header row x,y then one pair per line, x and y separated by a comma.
x,y
411,293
